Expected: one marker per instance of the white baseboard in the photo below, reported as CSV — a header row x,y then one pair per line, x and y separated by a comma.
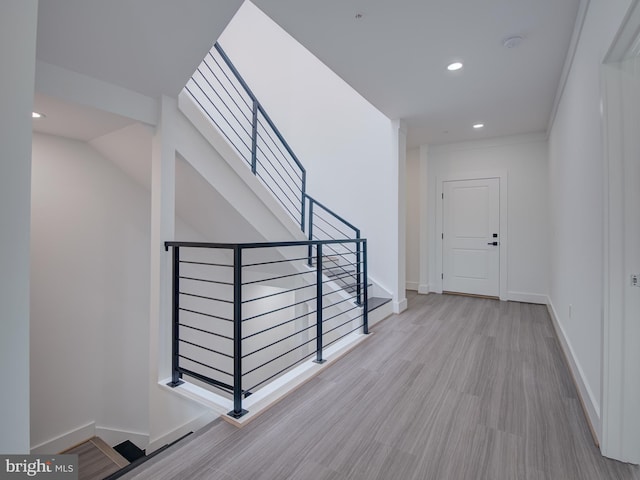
x,y
528,297
191,426
422,289
380,313
114,436
268,395
66,440
400,305
412,286
74,437
588,400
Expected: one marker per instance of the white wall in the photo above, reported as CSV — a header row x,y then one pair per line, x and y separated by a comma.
x,y
18,24
90,292
576,196
524,159
413,219
345,144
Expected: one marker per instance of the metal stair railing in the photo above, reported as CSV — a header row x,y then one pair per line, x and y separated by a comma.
x,y
224,96
237,325
216,328
221,92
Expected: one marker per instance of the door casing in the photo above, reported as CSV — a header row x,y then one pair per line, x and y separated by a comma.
x,y
502,175
480,262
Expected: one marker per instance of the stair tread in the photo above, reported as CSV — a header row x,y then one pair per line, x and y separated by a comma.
x,y
376,302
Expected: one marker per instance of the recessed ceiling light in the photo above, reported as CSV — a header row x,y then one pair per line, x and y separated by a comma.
x,y
478,125
452,67
37,115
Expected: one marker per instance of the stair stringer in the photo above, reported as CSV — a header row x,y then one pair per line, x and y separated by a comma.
x,y
201,144
209,153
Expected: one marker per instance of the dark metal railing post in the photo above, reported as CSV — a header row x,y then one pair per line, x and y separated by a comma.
x,y
358,270
237,411
310,248
254,137
303,200
365,310
319,358
175,320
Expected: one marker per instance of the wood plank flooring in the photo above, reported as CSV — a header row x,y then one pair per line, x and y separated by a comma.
x,y
454,388
96,459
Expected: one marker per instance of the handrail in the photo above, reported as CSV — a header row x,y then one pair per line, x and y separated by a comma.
x,y
240,119
332,213
250,245
224,96
312,232
272,325
213,301
255,99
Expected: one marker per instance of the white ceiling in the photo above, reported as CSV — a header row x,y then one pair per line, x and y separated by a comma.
x,y
395,55
148,46
69,120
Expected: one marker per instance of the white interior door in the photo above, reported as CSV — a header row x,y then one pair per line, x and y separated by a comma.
x,y
471,242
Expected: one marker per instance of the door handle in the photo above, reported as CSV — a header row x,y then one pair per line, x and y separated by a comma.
x,y
495,244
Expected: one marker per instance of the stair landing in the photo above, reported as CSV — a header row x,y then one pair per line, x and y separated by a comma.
x,y
96,459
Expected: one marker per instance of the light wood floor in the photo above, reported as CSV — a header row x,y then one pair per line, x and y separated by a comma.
x,y
96,459
454,388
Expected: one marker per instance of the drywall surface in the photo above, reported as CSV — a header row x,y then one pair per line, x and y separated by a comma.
x,y
576,198
18,24
345,144
413,219
524,160
90,292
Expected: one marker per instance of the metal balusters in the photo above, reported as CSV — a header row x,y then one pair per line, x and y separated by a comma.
x,y
266,328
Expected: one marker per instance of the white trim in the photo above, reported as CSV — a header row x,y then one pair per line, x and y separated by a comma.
x,y
66,440
568,61
625,43
414,286
613,265
265,397
113,436
423,212
399,141
587,398
502,175
528,298
400,305
74,437
620,434
380,314
491,142
424,289
191,426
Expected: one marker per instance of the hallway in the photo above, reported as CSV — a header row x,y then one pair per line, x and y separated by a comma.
x,y
453,388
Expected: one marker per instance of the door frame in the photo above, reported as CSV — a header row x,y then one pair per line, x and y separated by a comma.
x,y
502,177
620,418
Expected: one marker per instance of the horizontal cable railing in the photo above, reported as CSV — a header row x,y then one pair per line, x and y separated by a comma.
x,y
343,259
245,314
227,100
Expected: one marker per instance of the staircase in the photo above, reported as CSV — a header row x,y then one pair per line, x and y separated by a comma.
x,y
224,98
96,459
344,276
247,316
